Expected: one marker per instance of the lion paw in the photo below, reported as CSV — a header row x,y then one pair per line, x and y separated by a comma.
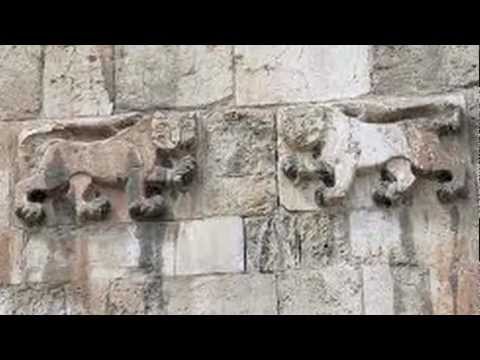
x,y
146,209
184,172
95,210
290,168
449,192
32,214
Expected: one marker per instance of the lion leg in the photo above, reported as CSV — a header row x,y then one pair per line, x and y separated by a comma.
x,y
34,191
144,195
336,185
454,184
397,181
184,173
90,204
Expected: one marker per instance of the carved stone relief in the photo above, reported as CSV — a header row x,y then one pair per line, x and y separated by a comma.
x,y
322,148
77,159
150,160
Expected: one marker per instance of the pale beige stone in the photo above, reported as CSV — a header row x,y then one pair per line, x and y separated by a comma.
x,y
221,295
288,241
403,69
272,74
330,291
12,243
375,235
210,246
378,290
7,170
152,76
78,80
39,299
239,165
412,294
20,81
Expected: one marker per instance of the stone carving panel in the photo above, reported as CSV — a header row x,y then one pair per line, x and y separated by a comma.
x,y
323,148
80,168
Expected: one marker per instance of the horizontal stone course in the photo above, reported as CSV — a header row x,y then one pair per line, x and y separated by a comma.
x,y
78,80
278,74
65,254
402,69
155,76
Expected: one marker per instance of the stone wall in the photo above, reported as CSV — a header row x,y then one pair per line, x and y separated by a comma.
x,y
215,179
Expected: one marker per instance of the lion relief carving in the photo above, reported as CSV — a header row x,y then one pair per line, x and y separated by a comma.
x,y
326,147
65,152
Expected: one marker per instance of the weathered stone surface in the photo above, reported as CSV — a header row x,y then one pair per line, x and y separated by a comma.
x,y
271,74
378,290
153,76
95,253
20,81
402,69
5,198
288,241
221,295
239,169
473,114
6,301
32,300
12,242
210,246
411,291
468,291
78,80
323,148
376,236
441,237
330,291
7,169
63,254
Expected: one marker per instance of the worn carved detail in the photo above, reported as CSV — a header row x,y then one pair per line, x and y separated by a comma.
x,y
77,158
175,166
326,146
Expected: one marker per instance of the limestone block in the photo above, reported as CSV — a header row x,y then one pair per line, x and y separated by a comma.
x,y
288,241
403,69
126,298
378,290
273,74
87,297
134,295
8,134
153,76
443,238
221,295
411,291
333,290
20,81
467,300
5,199
376,236
78,80
7,305
63,254
210,246
11,245
114,252
239,168
32,300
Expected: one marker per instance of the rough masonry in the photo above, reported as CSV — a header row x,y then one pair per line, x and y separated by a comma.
x,y
219,179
